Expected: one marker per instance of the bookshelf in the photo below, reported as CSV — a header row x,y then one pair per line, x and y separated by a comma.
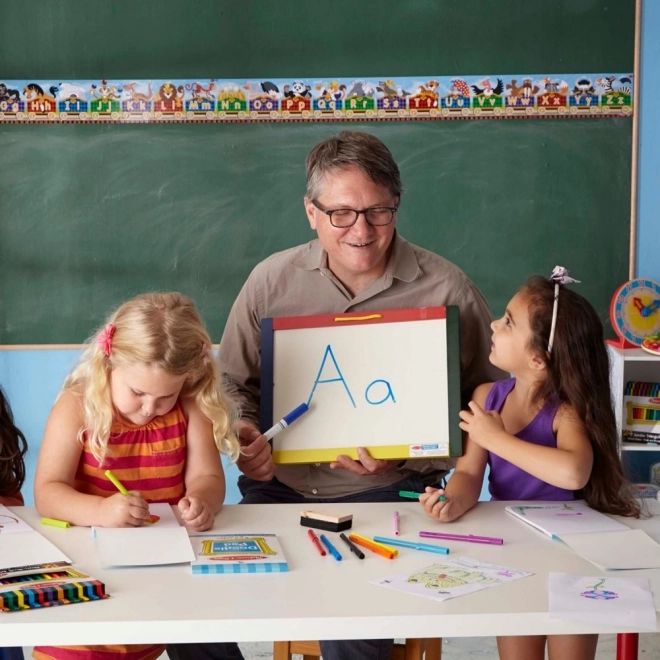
x,y
633,364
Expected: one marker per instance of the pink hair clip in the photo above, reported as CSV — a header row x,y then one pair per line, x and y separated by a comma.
x,y
206,359
104,339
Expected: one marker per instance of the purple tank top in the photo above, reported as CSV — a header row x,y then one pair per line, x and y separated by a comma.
x,y
508,482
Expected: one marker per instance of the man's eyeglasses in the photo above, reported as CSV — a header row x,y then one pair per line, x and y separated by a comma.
x,y
376,216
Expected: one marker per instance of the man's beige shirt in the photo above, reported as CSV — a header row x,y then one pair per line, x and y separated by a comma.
x,y
297,282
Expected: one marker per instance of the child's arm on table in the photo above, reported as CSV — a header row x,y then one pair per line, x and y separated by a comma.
x,y
566,466
204,477
464,486
55,496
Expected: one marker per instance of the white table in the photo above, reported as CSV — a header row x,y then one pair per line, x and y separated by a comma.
x,y
320,598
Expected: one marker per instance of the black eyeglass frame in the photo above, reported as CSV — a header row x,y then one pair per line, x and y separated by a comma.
x,y
358,212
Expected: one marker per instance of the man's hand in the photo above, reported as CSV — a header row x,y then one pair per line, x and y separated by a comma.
x,y
256,460
367,465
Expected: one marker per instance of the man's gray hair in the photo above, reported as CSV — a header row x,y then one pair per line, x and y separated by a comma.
x,y
352,149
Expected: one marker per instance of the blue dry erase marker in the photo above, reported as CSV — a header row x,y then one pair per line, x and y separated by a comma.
x,y
409,544
331,548
286,421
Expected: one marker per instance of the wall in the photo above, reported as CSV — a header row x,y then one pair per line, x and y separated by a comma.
x,y
32,378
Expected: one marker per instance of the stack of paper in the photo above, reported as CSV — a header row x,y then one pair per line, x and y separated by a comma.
x,y
605,542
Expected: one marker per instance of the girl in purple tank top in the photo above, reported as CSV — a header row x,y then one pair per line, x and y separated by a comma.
x,y
548,433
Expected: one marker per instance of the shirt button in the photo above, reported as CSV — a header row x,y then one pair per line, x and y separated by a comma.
x,y
315,490
317,464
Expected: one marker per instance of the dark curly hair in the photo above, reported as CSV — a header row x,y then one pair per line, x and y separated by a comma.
x,y
12,450
578,371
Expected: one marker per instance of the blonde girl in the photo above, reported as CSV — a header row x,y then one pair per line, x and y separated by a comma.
x,y
145,402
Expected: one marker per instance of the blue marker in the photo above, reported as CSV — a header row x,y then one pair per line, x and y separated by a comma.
x,y
286,421
331,548
409,544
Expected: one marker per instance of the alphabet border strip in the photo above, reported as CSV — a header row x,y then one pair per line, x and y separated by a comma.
x,y
332,99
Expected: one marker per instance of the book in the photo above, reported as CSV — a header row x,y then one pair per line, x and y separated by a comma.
x,y
559,518
237,553
47,585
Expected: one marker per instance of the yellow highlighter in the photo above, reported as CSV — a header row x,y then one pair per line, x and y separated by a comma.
x,y
153,518
118,484
54,522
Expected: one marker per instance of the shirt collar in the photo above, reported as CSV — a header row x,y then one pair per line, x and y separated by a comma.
x,y
402,264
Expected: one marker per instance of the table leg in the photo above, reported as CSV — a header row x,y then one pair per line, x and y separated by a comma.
x,y
626,646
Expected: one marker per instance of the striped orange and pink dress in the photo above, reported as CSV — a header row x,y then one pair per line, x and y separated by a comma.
x,y
150,459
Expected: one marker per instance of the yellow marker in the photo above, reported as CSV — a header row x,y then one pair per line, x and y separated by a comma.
x,y
368,317
54,522
116,482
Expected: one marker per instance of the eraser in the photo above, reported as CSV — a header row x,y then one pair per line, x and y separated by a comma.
x,y
326,521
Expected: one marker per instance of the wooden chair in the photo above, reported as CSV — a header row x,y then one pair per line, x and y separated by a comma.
x,y
413,649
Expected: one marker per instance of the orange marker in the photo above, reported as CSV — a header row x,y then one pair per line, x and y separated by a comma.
x,y
379,549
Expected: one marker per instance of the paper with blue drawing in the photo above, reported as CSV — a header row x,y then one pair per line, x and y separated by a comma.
x,y
618,602
385,380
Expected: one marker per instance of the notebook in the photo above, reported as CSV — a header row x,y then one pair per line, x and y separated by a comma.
x,y
558,518
237,553
605,542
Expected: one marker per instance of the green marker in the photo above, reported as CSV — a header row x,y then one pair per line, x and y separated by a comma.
x,y
411,495
54,522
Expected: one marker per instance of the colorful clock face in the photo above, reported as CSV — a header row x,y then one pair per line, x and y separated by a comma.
x,y
635,310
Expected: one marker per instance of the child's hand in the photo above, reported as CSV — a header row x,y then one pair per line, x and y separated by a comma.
x,y
124,510
444,510
196,513
480,425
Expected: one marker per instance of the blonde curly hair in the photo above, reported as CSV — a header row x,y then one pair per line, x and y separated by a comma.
x,y
163,330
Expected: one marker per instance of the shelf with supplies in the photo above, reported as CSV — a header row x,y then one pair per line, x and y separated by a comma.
x,y
635,365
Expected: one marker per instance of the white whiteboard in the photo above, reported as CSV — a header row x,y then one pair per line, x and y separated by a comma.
x,y
383,386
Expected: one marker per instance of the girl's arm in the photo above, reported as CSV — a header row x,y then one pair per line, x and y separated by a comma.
x,y
566,466
464,486
54,494
204,476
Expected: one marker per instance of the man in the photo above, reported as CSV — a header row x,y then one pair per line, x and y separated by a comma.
x,y
358,263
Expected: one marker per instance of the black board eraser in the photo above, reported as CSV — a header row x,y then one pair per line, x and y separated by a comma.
x,y
326,521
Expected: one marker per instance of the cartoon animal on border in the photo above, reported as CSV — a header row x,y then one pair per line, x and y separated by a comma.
x,y
389,89
488,89
607,83
333,92
200,92
131,92
269,90
168,92
8,94
106,92
526,90
583,87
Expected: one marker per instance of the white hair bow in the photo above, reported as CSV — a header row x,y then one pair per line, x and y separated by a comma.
x,y
559,276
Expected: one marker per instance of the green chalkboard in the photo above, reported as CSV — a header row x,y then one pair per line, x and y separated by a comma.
x,y
90,215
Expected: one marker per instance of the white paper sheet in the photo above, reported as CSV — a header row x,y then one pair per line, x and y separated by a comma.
x,y
27,549
616,550
10,522
164,542
451,578
619,602
557,518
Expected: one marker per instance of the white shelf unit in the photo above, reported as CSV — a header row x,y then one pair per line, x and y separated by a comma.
x,y
628,364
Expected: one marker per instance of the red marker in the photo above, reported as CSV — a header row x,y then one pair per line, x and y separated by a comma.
x,y
315,541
